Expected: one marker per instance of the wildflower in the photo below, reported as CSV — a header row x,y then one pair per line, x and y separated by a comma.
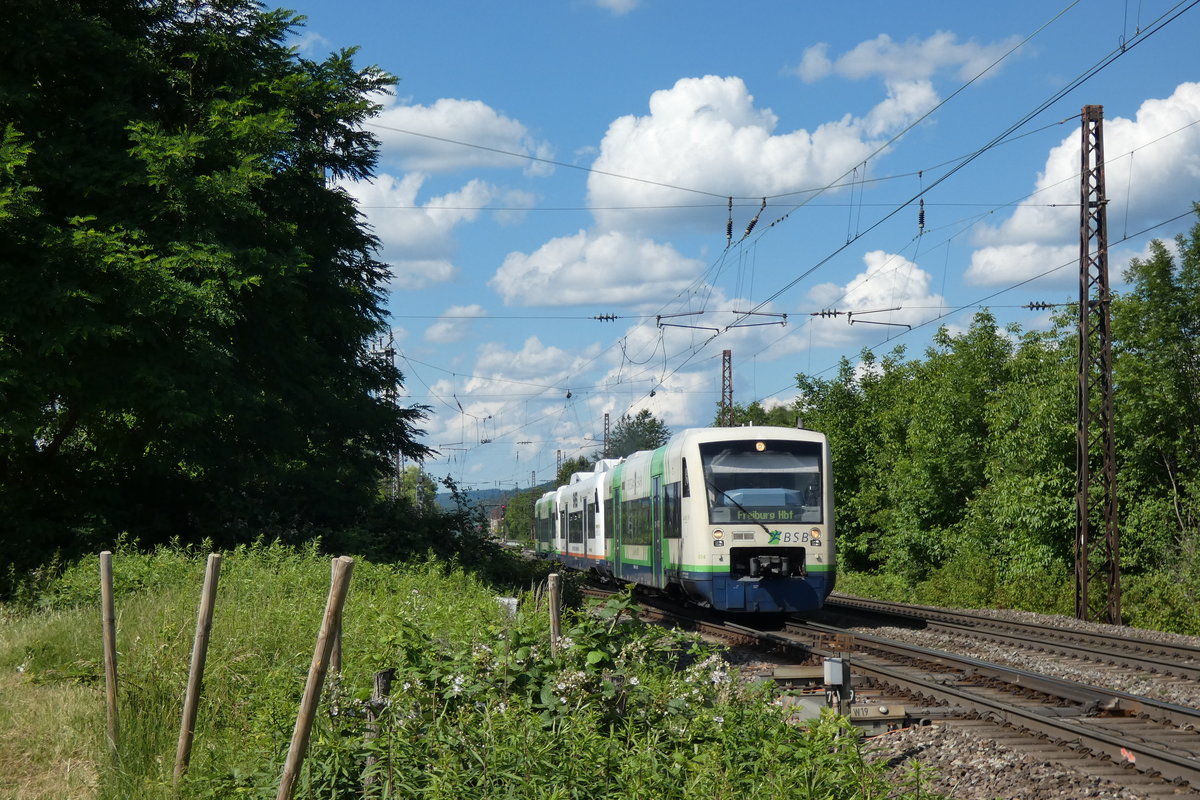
x,y
633,681
718,720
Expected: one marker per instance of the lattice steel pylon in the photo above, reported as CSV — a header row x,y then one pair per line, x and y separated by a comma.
x,y
1095,452
726,414
386,352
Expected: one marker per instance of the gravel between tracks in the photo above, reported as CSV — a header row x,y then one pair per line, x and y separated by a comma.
x,y
973,768
968,766
965,766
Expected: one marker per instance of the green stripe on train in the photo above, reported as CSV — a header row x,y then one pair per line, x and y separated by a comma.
x,y
725,568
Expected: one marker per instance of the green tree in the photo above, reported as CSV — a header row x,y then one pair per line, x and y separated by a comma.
x,y
631,434
186,296
755,414
518,514
1156,365
418,488
571,466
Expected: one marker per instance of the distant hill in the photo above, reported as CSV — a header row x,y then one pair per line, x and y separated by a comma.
x,y
482,497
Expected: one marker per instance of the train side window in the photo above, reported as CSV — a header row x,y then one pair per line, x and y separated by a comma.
x,y
609,511
672,512
687,489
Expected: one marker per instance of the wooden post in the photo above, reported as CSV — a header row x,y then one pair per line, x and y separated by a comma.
x,y
555,612
191,701
108,616
316,677
335,650
335,653
380,693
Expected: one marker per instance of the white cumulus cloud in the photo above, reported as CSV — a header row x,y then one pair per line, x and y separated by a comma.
x,y
535,363
594,268
1152,168
706,134
890,281
417,239
432,138
454,323
911,60
618,7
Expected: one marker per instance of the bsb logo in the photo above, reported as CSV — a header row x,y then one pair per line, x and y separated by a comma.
x,y
775,537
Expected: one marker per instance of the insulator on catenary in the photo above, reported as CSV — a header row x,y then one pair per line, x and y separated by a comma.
x,y
921,218
754,221
729,223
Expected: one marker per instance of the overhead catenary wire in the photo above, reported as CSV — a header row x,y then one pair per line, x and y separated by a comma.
x,y
980,302
692,354
1161,22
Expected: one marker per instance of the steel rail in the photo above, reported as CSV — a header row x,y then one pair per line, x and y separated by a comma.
x,y
1080,730
1173,658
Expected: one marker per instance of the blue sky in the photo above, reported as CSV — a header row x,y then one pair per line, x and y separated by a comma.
x,y
546,163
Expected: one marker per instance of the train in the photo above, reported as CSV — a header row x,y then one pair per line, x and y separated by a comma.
x,y
732,519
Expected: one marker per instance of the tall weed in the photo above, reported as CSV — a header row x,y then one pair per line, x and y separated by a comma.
x,y
482,706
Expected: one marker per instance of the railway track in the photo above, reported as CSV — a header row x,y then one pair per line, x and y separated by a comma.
x,y
1125,651
1158,740
1132,740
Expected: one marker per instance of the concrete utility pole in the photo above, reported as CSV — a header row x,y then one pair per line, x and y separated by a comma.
x,y
1095,436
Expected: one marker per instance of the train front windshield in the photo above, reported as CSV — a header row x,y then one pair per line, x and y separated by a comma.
x,y
767,481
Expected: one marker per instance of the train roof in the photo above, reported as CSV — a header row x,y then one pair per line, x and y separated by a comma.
x,y
746,432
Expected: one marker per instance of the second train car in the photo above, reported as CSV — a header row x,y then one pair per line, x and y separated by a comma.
x,y
736,519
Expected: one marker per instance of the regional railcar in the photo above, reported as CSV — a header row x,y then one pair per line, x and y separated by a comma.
x,y
737,519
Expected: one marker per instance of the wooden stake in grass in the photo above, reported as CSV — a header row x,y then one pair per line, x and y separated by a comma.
x,y
108,616
187,728
380,697
555,612
316,677
335,650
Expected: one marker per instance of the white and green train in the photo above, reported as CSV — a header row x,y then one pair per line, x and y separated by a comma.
x,y
737,519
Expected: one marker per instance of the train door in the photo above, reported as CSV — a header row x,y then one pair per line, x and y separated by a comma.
x,y
618,524
587,529
656,538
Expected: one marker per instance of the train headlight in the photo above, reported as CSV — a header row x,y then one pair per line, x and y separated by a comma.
x,y
814,537
718,535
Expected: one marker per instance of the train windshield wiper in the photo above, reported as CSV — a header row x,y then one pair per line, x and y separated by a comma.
x,y
741,507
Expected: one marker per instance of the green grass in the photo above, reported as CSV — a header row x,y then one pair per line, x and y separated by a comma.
x,y
481,707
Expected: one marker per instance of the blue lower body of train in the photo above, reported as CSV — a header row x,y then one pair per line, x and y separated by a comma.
x,y
720,591
762,596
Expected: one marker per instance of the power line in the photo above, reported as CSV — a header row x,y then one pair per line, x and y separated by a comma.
x,y
1140,37
541,160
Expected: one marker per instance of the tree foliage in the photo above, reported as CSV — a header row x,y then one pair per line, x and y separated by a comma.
x,y
642,432
187,300
955,472
572,465
518,514
417,487
783,416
